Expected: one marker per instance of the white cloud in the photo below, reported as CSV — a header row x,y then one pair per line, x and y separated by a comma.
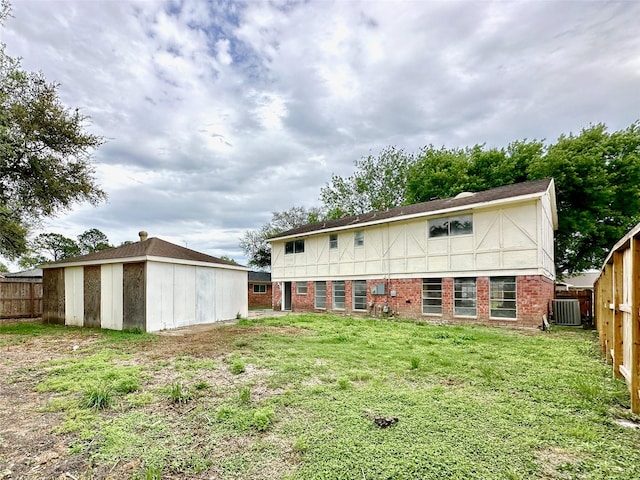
x,y
219,113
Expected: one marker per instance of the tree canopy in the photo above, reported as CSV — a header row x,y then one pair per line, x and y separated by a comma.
x,y
596,173
254,242
45,153
52,247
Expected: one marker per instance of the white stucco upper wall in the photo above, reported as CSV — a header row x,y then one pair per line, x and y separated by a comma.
x,y
509,238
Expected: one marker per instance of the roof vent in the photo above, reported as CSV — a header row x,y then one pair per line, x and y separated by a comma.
x,y
464,195
143,235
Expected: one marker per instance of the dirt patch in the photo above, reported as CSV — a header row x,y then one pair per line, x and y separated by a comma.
x,y
552,460
29,445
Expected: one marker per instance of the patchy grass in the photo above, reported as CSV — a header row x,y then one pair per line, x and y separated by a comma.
x,y
298,402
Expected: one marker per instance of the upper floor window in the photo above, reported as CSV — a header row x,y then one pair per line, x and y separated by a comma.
x,y
294,246
358,239
446,226
333,240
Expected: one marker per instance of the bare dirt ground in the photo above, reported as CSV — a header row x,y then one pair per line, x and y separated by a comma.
x,y
29,446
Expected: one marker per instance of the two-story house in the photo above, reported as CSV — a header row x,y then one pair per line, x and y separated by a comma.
x,y
484,257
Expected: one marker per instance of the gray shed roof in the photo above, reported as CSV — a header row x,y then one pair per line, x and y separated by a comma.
x,y
499,193
152,247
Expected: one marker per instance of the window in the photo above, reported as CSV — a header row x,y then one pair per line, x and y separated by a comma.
x,y
321,295
338,295
503,297
359,294
259,288
464,296
294,246
301,288
432,296
358,239
333,241
458,225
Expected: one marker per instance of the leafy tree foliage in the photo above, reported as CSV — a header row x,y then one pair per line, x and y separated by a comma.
x,y
378,183
3,268
597,178
45,163
51,247
254,242
92,240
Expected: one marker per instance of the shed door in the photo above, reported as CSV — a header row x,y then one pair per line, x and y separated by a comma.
x,y
133,296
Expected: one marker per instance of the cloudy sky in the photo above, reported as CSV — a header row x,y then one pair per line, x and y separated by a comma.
x,y
219,113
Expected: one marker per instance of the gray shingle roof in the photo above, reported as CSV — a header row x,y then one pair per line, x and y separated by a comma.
x,y
152,247
499,193
264,277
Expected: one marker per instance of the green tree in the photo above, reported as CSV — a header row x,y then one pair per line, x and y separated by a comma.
x,y
378,183
54,246
597,176
3,268
254,242
45,152
92,240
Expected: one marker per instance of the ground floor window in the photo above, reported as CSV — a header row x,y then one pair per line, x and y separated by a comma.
x,y
464,296
338,294
301,288
503,297
259,288
359,294
321,295
432,296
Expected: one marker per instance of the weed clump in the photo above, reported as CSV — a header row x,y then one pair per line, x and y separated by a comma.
x,y
262,418
237,367
98,397
179,394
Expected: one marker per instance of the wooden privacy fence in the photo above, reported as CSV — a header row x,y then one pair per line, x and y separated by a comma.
x,y
617,311
20,299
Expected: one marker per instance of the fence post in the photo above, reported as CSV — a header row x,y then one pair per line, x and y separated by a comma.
x,y
618,298
634,384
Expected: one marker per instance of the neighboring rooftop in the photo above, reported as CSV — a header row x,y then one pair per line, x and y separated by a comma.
x,y
257,277
462,200
152,247
34,273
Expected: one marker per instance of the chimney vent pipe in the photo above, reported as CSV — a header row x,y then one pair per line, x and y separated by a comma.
x,y
143,235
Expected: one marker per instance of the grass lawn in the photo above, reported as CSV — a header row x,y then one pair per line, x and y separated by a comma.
x,y
296,397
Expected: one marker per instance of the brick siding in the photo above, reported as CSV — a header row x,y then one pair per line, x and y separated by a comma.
x,y
533,295
264,300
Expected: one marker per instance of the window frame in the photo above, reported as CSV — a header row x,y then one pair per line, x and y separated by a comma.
x,y
358,238
334,297
333,241
451,226
301,284
494,298
264,288
459,296
323,297
357,299
294,246
436,299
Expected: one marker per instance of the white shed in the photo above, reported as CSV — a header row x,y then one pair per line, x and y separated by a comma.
x,y
151,285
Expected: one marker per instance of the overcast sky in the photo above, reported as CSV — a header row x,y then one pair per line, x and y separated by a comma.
x,y
219,113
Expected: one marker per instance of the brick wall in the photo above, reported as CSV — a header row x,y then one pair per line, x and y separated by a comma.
x,y
261,299
533,294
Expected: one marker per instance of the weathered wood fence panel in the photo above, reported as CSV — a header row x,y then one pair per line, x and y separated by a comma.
x,y
20,299
617,307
